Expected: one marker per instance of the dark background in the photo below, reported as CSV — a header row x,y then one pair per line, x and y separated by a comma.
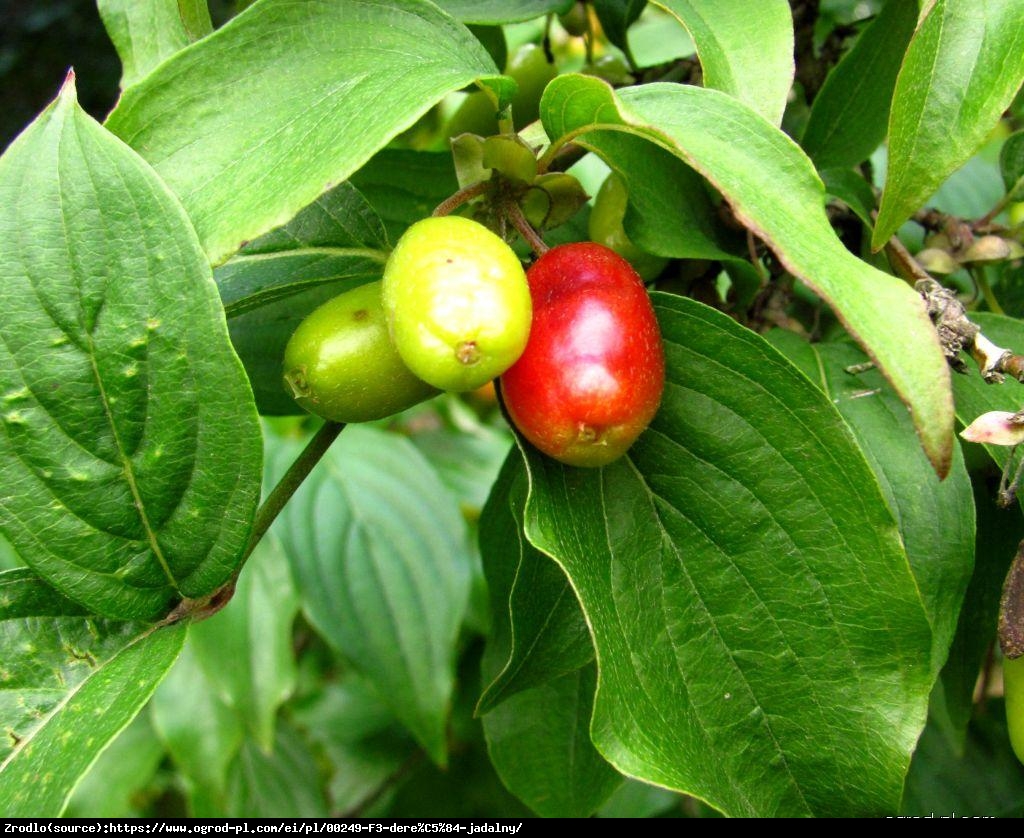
x,y
40,41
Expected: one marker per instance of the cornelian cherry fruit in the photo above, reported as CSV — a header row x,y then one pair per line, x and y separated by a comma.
x,y
591,377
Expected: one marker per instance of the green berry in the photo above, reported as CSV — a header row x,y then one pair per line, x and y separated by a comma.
x,y
340,363
605,227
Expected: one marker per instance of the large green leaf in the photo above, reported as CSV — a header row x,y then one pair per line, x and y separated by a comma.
x,y
68,686
760,639
539,742
120,776
774,189
360,737
616,16
335,244
8,557
250,124
389,596
282,783
634,799
745,48
936,518
404,186
538,631
147,33
246,649
466,451
198,728
1011,165
986,780
131,452
961,71
337,237
850,114
502,11
670,211
999,532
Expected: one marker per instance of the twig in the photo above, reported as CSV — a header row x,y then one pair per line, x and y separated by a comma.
x,y
457,199
286,486
903,263
957,333
532,238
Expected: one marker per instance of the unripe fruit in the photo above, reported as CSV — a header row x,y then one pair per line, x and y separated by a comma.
x,y
340,363
532,71
575,20
593,371
457,302
605,227
1013,689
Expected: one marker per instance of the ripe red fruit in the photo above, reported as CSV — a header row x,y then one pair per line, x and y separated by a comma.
x,y
591,377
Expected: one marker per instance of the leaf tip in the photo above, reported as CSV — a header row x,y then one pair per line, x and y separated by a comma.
x,y
68,89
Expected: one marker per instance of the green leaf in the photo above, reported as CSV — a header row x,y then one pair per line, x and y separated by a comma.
x,y
502,11
746,588
774,189
466,452
335,244
999,532
1011,165
634,799
145,34
986,780
24,594
670,211
109,788
539,742
616,17
745,48
961,71
850,114
284,783
538,632
131,455
340,80
935,518
389,598
853,190
246,649
339,236
198,728
404,186
70,685
360,737
8,557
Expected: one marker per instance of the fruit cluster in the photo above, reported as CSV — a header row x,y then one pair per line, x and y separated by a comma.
x,y
574,340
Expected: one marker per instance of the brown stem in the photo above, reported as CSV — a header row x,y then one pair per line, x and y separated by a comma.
x,y
903,263
530,236
456,200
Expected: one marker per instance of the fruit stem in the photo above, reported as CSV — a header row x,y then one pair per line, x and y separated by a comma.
x,y
457,199
531,236
980,274
286,486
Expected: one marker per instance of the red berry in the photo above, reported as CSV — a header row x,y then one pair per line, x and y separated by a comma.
x,y
591,377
